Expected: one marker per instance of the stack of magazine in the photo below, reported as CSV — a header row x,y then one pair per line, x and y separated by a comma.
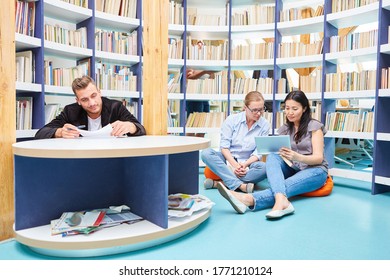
x,y
86,222
184,205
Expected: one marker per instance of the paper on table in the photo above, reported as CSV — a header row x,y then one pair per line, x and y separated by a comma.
x,y
103,132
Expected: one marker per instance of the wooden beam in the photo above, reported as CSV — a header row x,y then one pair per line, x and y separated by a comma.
x,y
155,66
7,117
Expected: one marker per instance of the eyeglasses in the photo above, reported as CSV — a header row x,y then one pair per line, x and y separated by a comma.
x,y
256,110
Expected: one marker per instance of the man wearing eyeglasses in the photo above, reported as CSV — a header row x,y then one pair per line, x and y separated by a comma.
x,y
237,163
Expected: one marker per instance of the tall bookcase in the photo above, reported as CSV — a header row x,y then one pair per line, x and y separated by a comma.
x,y
70,17
329,24
380,176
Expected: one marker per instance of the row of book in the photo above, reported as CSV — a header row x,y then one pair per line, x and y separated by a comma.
x,y
63,76
75,38
253,15
132,106
24,106
124,80
357,121
311,82
218,50
295,49
175,48
351,81
207,49
385,78
195,18
80,3
174,77
51,111
124,8
300,13
24,62
176,12
353,41
253,51
343,5
25,17
202,119
263,85
216,85
281,116
116,42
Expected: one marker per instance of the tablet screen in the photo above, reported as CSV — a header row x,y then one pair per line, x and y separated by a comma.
x,y
272,144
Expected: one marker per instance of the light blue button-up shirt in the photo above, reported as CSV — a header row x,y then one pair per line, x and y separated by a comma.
x,y
236,137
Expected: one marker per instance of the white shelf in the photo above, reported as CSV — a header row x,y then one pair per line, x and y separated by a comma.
x,y
26,133
382,180
103,20
30,87
201,96
174,62
302,26
385,48
350,94
175,29
384,93
175,129
65,11
209,32
350,135
300,61
207,64
309,95
59,90
252,64
120,93
352,56
117,58
380,136
257,30
353,17
351,174
386,4
113,240
24,42
56,49
174,96
203,129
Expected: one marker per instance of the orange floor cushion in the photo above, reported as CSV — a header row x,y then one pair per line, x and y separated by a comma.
x,y
325,190
210,174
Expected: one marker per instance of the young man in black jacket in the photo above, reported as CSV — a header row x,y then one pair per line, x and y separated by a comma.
x,y
92,112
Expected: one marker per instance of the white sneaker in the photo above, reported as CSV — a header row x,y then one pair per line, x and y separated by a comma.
x,y
208,184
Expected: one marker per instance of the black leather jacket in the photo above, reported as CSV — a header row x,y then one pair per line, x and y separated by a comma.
x,y
112,110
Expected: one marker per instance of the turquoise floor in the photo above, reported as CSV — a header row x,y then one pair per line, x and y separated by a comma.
x,y
350,224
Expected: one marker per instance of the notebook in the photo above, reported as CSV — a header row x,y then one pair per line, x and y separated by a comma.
x,y
271,144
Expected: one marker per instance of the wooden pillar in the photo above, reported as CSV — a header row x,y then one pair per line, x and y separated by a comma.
x,y
155,66
7,116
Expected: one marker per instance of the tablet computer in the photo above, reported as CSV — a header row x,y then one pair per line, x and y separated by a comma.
x,y
272,144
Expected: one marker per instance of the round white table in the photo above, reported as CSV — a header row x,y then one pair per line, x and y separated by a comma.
x,y
53,176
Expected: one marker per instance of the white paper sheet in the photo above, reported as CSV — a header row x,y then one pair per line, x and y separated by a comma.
x,y
103,132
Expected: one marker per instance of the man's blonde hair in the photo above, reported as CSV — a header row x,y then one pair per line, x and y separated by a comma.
x,y
82,83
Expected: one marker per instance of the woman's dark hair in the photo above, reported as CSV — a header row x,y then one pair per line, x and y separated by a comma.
x,y
300,97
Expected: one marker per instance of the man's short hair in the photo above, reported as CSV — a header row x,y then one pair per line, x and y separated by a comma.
x,y
82,83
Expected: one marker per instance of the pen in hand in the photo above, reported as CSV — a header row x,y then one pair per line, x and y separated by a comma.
x,y
79,127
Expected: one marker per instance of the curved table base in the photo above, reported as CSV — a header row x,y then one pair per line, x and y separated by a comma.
x,y
108,241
